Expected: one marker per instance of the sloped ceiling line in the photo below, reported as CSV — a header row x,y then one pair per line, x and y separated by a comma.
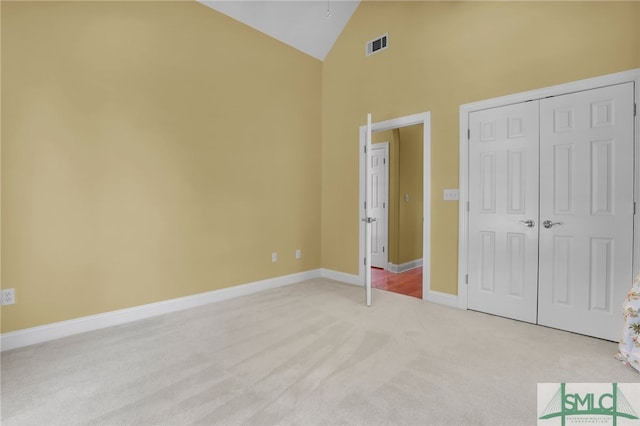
x,y
303,25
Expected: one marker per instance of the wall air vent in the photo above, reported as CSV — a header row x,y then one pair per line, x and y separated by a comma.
x,y
378,44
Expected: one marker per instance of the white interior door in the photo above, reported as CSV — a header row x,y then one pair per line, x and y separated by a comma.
x,y
586,199
378,178
503,211
367,219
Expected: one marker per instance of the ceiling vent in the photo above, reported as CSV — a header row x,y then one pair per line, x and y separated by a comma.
x,y
378,44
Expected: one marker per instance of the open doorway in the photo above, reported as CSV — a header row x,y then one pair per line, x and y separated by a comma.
x,y
396,176
409,205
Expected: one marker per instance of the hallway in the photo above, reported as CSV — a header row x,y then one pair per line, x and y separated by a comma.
x,y
408,283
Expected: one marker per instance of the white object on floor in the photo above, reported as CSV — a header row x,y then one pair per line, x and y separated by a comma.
x,y
629,347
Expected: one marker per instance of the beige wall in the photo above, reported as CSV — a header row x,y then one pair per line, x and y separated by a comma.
x,y
411,184
442,55
150,150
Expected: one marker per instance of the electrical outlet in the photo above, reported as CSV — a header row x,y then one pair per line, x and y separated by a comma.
x,y
298,254
8,297
274,257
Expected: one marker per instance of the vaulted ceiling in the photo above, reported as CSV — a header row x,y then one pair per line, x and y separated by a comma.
x,y
311,26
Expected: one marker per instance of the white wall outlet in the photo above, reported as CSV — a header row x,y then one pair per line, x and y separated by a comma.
x,y
298,254
451,194
274,257
8,297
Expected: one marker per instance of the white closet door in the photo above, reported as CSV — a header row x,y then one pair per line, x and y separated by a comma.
x,y
379,193
503,211
586,195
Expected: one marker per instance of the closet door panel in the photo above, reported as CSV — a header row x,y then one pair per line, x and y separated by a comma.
x,y
503,189
586,201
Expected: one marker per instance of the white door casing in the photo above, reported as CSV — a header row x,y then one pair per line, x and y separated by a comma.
x,y
410,120
586,190
503,211
379,181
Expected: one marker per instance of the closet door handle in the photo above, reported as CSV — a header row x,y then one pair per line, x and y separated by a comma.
x,y
548,224
528,223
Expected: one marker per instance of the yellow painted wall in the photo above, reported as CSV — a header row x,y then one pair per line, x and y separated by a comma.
x,y
142,159
150,150
442,55
411,185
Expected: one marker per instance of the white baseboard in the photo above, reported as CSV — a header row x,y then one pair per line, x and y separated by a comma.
x,y
341,276
31,336
442,298
404,267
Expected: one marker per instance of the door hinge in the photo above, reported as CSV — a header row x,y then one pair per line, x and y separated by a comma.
x,y
634,208
365,261
466,279
635,109
467,206
365,149
384,205
365,205
383,249
384,161
468,134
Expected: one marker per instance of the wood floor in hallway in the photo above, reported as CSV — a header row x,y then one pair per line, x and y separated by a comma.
x,y
408,283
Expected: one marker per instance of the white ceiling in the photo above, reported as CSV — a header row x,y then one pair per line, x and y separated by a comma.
x,y
302,24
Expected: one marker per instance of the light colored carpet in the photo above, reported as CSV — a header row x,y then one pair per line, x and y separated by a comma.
x,y
307,354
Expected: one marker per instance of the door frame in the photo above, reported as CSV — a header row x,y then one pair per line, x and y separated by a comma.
x,y
423,118
385,220
561,89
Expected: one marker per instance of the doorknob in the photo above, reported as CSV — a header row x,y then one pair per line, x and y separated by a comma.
x,y
368,219
528,223
548,224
